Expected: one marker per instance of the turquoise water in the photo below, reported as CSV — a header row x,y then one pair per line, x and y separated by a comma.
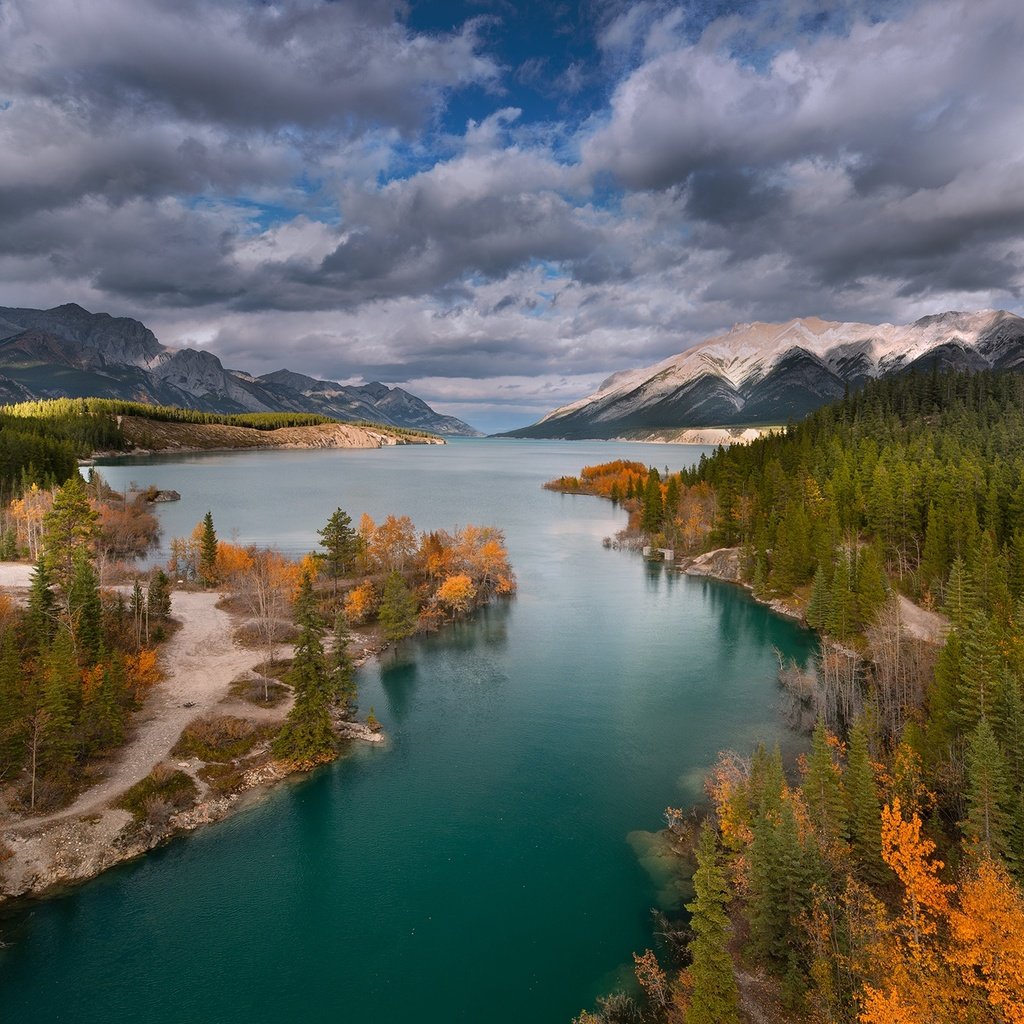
x,y
494,861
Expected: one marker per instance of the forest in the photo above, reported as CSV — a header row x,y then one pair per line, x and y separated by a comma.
x,y
878,880
78,659
41,442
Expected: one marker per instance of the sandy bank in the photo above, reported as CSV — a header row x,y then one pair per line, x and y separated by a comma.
x,y
199,662
164,436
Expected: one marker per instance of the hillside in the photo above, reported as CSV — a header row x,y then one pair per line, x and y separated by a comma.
x,y
768,373
160,435
69,352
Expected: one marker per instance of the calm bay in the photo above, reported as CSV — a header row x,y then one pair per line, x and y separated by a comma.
x,y
495,861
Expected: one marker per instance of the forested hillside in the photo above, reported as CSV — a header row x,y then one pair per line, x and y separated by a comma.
x,y
40,442
880,881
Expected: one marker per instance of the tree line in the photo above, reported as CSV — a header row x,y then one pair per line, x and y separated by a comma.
x,y
881,882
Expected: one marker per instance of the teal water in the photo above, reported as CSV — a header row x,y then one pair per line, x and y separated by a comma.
x,y
494,861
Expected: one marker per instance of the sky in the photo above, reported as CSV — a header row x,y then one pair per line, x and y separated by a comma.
x,y
495,204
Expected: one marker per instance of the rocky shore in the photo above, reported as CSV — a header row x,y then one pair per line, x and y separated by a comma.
x,y
724,564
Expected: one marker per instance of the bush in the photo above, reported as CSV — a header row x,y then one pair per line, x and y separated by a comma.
x,y
163,792
219,738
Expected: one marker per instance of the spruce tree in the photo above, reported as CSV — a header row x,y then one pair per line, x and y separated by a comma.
x,y
341,669
863,809
69,525
988,795
652,512
208,552
61,699
12,708
714,996
397,612
40,616
823,791
85,609
306,738
340,542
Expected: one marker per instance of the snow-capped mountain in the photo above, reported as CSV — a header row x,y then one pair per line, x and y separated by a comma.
x,y
68,351
766,373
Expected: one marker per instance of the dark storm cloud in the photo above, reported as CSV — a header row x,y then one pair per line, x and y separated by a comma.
x,y
234,63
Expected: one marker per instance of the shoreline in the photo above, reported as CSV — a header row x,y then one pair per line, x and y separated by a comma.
x,y
46,854
722,564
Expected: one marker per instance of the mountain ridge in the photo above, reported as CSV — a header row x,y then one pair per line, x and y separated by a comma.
x,y
68,351
767,373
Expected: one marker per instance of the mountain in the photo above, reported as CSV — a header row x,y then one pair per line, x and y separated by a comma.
x,y
767,373
68,351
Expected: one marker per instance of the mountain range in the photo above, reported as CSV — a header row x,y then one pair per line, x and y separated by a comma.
x,y
68,351
758,374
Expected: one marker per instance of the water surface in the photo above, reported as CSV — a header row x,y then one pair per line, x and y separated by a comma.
x,y
491,862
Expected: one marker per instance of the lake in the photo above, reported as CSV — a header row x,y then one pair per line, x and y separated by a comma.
x,y
495,860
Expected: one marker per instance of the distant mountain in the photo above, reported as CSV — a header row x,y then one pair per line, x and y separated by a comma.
x,y
766,373
68,351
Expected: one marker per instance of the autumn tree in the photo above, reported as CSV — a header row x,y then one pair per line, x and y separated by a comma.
x,y
457,594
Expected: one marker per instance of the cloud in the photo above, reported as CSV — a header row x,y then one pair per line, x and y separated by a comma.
x,y
284,182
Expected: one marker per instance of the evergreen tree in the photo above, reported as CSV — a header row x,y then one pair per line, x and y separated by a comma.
x,y
306,738
714,996
158,596
208,552
652,512
12,708
69,525
340,542
85,609
872,584
863,809
781,879
819,604
988,795
397,612
981,669
342,671
61,700
823,791
40,617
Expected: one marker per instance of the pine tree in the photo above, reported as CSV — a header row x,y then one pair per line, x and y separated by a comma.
x,y
872,586
85,609
863,808
823,791
61,699
306,738
12,708
652,512
988,794
714,996
69,525
981,670
342,671
397,612
40,617
208,552
818,606
340,542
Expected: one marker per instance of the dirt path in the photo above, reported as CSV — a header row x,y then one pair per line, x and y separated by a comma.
x,y
923,624
200,661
